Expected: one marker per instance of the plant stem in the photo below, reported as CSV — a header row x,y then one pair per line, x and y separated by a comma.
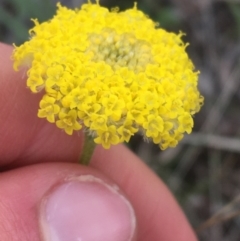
x,y
88,149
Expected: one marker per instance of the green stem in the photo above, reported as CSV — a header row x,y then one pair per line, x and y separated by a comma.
x,y
87,151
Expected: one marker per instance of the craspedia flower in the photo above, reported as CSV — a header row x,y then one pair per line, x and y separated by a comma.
x,y
112,74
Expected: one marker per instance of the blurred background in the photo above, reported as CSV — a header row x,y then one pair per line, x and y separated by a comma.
x,y
203,171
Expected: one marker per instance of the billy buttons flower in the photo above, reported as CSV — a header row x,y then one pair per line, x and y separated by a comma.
x,y
112,74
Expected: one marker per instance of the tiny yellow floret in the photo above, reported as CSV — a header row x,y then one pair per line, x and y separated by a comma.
x,y
48,108
111,74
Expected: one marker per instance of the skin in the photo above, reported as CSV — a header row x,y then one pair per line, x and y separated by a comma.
x,y
36,155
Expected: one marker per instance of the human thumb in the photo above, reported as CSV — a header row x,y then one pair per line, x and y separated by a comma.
x,y
63,202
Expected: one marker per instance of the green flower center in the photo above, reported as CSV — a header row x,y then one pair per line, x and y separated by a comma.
x,y
119,50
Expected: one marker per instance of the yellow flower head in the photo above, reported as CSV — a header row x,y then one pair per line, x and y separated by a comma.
x,y
111,73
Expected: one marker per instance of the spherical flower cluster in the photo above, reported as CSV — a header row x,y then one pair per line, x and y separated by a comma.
x,y
112,74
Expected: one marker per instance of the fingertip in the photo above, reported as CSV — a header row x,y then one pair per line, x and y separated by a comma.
x,y
101,207
62,202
